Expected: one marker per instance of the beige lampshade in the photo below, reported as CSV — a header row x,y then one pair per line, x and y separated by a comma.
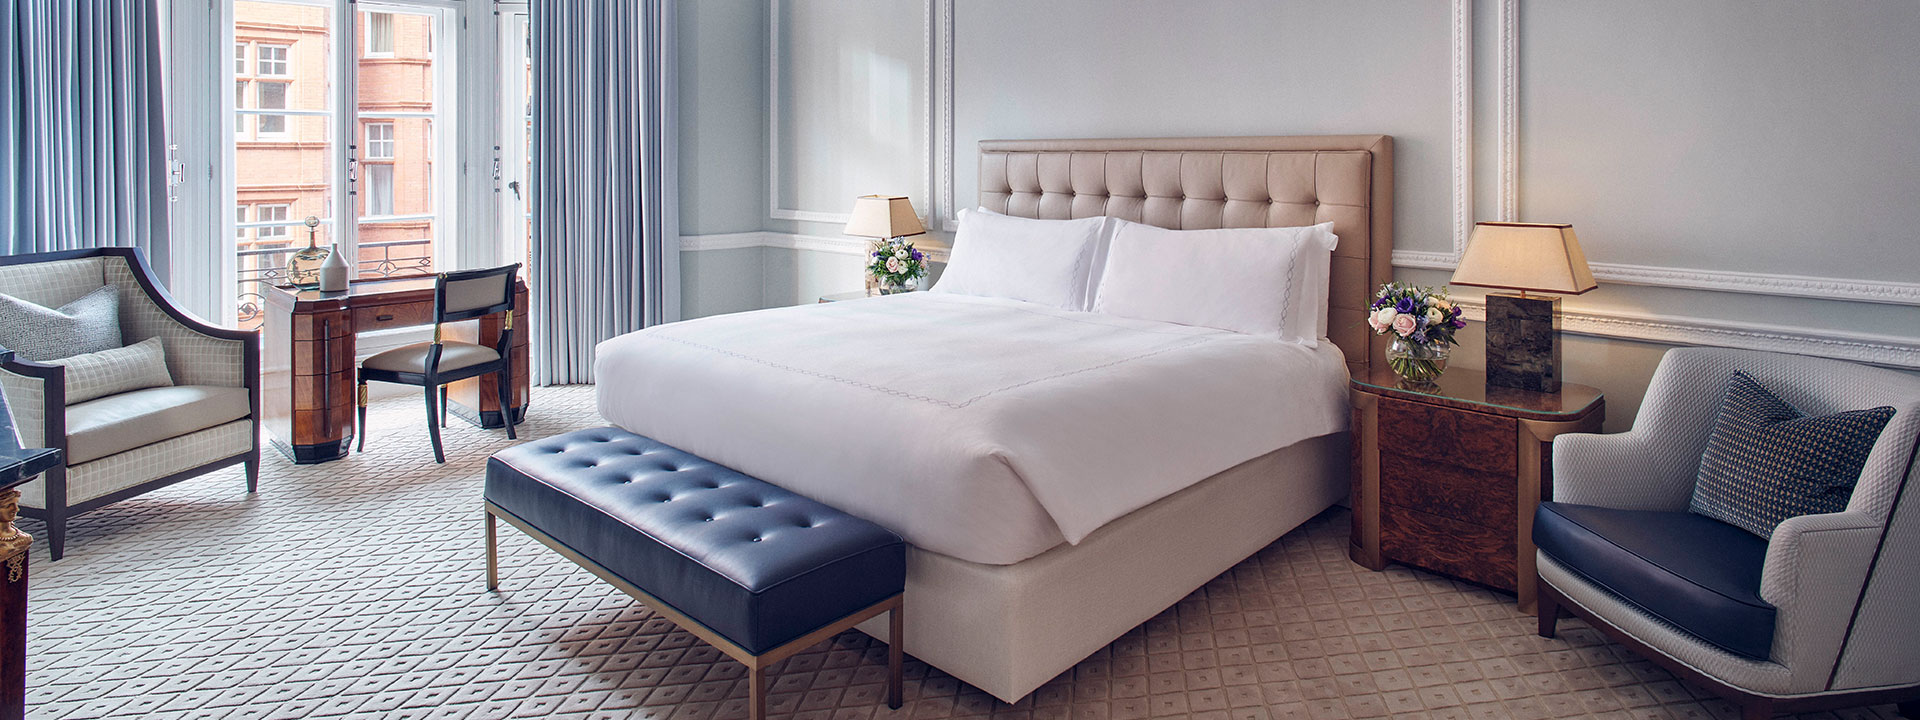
x,y
883,216
1537,257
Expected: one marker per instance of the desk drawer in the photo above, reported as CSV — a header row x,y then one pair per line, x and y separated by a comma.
x,y
382,317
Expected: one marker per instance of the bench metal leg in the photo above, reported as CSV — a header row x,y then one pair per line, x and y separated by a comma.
x,y
896,642
756,692
493,556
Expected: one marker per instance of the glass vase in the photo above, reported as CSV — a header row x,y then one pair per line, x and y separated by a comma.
x,y
1417,363
890,287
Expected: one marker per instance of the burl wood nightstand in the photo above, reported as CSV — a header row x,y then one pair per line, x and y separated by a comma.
x,y
1447,477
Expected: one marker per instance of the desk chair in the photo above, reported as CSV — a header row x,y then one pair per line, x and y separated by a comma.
x,y
457,296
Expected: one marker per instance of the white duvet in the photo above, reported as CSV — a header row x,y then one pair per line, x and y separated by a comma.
x,y
985,429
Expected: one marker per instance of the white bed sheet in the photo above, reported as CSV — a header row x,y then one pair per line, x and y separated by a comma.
x,y
986,429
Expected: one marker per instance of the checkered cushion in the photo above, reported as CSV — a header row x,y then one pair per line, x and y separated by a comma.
x,y
109,372
1766,461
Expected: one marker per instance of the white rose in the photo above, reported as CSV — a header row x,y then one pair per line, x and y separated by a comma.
x,y
893,265
1434,317
1384,316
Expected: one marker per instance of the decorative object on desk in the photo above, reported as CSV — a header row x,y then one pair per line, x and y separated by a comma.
x,y
1422,322
1523,331
333,272
894,265
303,269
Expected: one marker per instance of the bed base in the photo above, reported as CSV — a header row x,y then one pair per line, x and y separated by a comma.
x,y
1008,629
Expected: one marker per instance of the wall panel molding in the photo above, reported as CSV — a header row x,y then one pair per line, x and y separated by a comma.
x,y
1888,350
837,245
924,100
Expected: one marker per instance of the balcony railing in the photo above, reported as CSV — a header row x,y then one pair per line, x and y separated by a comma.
x,y
261,267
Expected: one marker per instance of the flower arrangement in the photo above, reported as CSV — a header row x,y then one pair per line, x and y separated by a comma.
x,y
896,265
1422,321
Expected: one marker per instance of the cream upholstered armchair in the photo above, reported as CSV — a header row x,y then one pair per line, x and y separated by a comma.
x,y
127,443
1821,615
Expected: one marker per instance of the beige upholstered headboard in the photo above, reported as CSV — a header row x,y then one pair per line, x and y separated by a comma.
x,y
1200,183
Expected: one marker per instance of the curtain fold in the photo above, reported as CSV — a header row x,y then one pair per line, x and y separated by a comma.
x,y
603,188
84,140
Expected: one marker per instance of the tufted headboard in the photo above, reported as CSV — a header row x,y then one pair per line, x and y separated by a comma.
x,y
1201,183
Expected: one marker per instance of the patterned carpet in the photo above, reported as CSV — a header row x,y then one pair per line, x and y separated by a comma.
x,y
354,589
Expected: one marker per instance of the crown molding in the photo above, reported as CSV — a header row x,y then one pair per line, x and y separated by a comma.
x,y
1888,350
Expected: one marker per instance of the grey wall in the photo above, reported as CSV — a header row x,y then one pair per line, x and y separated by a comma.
x,y
723,130
1749,144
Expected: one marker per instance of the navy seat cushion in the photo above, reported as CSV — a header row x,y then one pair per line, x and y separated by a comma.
x,y
1696,573
750,561
1767,461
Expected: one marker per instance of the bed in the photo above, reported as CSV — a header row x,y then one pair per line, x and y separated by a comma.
x,y
1061,476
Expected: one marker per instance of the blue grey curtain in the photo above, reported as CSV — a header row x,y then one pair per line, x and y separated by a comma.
x,y
604,202
83,148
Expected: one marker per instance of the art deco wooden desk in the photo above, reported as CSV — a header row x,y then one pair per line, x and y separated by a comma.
x,y
308,359
1447,477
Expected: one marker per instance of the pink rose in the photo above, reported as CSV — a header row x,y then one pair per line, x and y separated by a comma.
x,y
1374,323
1404,325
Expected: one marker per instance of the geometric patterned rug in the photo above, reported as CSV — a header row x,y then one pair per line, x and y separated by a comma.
x,y
354,589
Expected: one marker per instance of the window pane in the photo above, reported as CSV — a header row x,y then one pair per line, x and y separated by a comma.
x,y
398,102
284,151
239,58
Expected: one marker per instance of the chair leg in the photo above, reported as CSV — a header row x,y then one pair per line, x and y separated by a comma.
x,y
253,472
493,555
1547,605
443,406
362,401
433,428
57,535
504,383
896,648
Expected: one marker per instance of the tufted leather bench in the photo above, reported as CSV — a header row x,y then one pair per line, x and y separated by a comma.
x,y
758,572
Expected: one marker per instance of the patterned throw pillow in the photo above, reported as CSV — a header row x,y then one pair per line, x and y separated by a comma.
x,y
1766,461
111,372
39,334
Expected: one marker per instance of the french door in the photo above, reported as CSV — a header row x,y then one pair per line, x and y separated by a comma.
x,y
341,135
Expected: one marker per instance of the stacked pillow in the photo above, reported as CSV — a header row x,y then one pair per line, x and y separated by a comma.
x,y
84,336
1255,281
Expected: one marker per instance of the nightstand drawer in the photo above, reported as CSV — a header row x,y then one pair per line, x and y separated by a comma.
x,y
1456,437
1460,493
1463,550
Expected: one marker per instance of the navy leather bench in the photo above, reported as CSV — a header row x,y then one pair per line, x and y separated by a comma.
x,y
758,572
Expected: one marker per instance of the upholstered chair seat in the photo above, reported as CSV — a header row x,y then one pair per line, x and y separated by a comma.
x,y
1817,614
413,358
118,423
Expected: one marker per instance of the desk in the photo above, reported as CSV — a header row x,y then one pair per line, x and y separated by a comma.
x,y
18,465
308,360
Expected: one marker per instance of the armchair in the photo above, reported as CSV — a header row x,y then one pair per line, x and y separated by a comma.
x,y
122,445
1835,588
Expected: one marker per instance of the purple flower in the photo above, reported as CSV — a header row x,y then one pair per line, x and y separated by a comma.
x,y
1420,337
1405,305
916,255
1457,322
1456,311
876,253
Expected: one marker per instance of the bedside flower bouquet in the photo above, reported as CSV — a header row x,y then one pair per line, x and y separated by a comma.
x,y
1422,322
895,266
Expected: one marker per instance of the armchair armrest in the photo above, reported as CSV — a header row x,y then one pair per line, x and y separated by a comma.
x,y
1815,569
1626,471
31,388
198,353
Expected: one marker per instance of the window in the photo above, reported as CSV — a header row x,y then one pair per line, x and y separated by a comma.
x,y
240,218
272,96
379,189
239,58
239,103
273,61
379,34
272,213
380,141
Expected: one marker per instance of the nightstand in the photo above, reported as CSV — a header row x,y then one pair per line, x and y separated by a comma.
x,y
1447,477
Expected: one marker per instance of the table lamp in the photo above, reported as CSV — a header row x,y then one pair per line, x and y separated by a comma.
x,y
1523,331
883,217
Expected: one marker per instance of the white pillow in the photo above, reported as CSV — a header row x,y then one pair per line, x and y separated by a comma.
x,y
1258,281
1047,262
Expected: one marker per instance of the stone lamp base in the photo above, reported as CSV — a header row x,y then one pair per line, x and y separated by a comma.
x,y
1523,342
